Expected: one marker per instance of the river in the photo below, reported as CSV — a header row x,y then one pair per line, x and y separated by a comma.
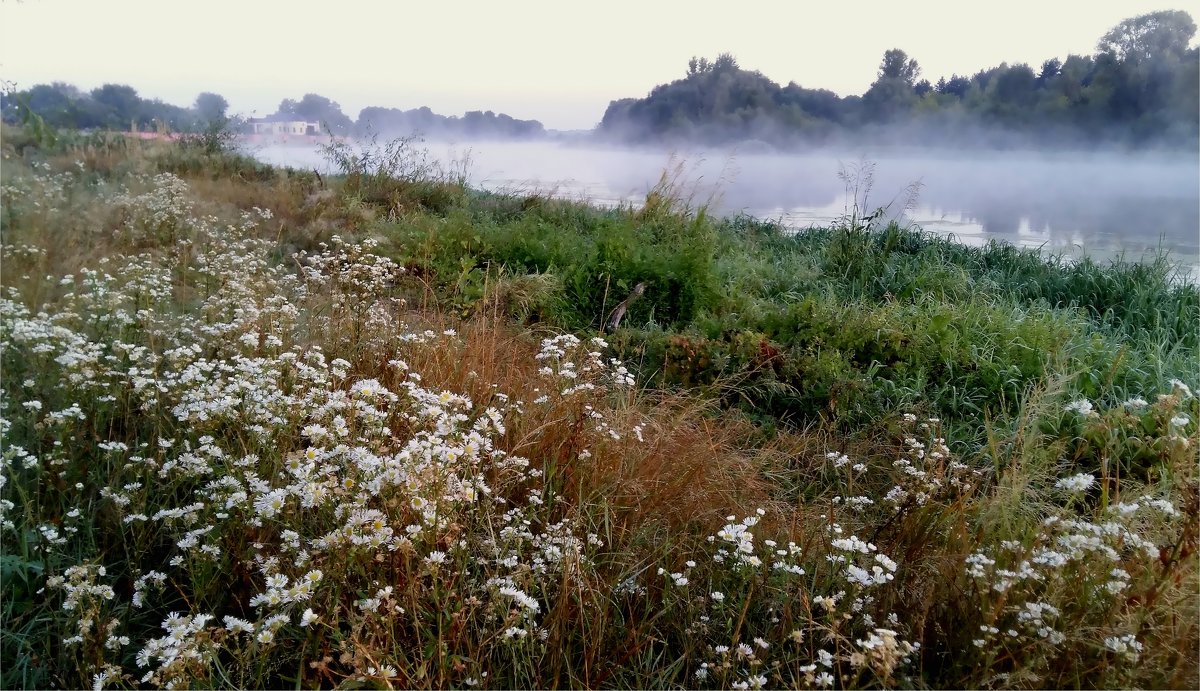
x,y
1101,205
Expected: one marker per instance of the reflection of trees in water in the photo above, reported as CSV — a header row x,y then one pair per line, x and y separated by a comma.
x,y
1100,220
1102,203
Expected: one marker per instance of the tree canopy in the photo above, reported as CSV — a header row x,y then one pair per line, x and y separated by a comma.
x,y
424,121
1140,88
211,108
118,106
1149,37
111,106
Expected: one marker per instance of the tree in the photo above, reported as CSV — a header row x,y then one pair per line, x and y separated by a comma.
x,y
1141,86
1150,37
1074,73
317,108
53,102
1050,69
820,103
894,92
897,65
119,103
725,62
156,113
955,86
210,109
888,99
1135,78
1014,84
1010,93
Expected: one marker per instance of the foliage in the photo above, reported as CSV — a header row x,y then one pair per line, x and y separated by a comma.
x,y
840,325
111,106
117,106
315,108
1139,89
472,124
395,174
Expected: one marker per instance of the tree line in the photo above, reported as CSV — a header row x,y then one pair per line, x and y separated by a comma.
x,y
391,121
111,107
1139,88
119,107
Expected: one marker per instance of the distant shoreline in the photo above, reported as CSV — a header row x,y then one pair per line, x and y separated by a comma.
x,y
281,139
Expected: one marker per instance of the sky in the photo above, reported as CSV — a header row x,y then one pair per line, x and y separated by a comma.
x,y
557,61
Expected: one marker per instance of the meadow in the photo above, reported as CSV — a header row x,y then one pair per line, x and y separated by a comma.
x,y
263,428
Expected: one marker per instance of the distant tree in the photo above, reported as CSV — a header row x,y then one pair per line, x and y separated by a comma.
x,y
618,118
1148,37
1135,80
211,108
1014,84
156,113
55,103
888,99
317,108
423,121
1050,69
314,105
980,79
1180,106
897,65
725,62
820,103
1143,84
1072,76
955,86
120,104
1010,94
892,93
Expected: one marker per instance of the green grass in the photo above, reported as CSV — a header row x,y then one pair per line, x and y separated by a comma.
x,y
855,321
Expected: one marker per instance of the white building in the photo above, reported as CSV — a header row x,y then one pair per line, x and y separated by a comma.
x,y
268,126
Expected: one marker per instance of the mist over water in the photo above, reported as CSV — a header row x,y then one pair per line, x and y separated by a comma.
x,y
1098,204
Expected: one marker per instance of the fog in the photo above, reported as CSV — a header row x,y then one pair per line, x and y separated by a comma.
x,y
1099,204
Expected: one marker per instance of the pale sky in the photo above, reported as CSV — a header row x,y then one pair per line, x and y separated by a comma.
x,y
556,61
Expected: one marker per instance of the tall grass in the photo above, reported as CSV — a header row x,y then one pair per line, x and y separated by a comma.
x,y
862,317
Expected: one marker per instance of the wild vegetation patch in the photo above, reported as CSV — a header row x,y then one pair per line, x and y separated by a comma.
x,y
288,431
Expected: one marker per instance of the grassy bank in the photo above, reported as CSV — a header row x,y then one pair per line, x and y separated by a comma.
x,y
264,429
847,324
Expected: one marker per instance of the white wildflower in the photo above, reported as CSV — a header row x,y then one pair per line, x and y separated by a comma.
x,y
1076,483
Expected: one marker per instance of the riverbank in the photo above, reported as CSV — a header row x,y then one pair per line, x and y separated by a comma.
x,y
1098,205
380,428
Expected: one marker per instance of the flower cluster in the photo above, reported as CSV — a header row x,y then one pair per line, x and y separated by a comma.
x,y
263,452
